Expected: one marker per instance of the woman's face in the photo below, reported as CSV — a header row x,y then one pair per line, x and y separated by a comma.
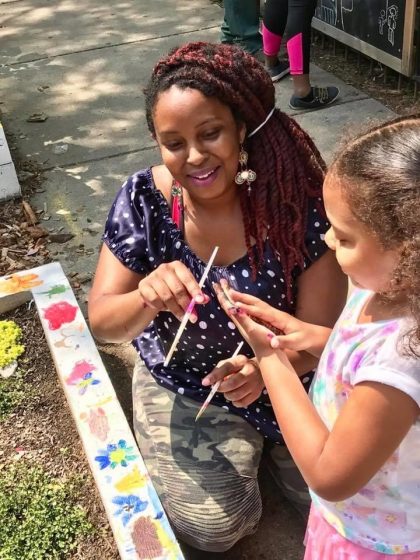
x,y
199,140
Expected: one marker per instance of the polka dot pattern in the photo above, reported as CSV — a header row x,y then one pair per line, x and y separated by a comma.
x,y
141,234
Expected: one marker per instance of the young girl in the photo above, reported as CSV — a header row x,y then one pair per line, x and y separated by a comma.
x,y
357,443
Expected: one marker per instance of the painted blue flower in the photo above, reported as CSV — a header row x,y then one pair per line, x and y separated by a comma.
x,y
115,454
128,506
84,383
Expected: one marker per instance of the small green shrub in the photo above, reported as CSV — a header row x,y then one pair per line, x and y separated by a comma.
x,y
10,347
39,516
12,393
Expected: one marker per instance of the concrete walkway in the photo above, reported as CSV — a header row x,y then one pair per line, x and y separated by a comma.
x,y
83,64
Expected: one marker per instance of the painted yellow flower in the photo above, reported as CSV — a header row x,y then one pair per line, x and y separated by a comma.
x,y
19,283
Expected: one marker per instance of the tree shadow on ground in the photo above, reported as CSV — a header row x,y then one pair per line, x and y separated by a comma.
x,y
119,362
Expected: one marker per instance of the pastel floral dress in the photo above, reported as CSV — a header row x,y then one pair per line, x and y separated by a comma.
x,y
383,518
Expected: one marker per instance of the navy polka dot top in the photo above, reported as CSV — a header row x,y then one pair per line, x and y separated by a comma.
x,y
140,232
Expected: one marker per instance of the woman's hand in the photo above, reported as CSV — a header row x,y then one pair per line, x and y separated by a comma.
x,y
241,380
296,335
171,287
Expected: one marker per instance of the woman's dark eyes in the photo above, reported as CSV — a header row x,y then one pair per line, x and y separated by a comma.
x,y
212,134
208,135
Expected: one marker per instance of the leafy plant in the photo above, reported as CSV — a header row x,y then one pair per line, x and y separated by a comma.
x,y
10,347
39,515
12,393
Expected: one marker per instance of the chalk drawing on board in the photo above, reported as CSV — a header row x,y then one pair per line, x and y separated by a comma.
x,y
388,17
327,11
347,7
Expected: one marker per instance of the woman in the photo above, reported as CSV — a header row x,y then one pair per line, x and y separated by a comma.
x,y
241,175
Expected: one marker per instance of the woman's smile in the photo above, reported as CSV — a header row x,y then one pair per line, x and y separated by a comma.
x,y
204,177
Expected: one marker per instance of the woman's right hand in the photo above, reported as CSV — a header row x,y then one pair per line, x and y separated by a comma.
x,y
171,287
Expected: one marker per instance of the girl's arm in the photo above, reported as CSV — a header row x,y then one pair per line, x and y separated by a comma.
x,y
122,303
322,291
370,427
336,464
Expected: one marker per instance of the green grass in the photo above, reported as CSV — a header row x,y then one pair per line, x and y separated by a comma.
x,y
12,393
39,515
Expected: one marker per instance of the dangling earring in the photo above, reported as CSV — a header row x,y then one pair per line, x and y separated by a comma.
x,y
176,189
245,175
177,210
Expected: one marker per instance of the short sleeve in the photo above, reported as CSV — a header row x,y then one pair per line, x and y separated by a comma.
x,y
125,232
317,226
386,363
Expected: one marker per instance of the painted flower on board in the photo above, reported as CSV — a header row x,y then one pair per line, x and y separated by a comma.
x,y
115,455
128,506
19,283
84,383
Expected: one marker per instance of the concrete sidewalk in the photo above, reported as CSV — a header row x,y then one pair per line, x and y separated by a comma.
x,y
84,66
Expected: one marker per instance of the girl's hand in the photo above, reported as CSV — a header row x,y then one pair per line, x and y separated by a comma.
x,y
242,382
171,287
257,335
297,336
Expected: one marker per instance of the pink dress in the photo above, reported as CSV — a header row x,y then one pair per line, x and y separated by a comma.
x,y
324,543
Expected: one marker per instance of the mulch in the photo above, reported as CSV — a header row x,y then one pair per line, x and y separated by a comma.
x,y
41,431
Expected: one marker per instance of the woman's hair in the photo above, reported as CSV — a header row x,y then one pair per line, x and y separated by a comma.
x,y
379,172
289,167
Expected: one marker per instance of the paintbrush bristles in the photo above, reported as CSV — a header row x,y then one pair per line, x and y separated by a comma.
x,y
216,386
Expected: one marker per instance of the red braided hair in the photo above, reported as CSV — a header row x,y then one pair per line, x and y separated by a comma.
x,y
289,167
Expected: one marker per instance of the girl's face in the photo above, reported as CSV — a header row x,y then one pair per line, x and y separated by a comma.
x,y
199,141
358,251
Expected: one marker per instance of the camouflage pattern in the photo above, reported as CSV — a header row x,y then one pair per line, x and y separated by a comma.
x,y
206,472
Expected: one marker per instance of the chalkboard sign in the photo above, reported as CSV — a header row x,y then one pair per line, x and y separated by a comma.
x,y
381,29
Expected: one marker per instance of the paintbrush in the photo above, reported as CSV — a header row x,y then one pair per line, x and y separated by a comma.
x,y
189,310
215,387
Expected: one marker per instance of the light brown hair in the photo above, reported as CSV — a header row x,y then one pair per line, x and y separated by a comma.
x,y
381,182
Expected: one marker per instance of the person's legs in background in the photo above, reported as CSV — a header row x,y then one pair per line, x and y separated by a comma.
x,y
241,24
299,49
274,25
293,17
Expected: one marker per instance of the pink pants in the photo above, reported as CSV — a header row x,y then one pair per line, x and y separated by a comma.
x,y
324,543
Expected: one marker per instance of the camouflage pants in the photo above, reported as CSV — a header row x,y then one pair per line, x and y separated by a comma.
x,y
206,472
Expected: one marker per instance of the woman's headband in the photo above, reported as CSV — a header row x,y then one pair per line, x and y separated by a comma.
x,y
262,124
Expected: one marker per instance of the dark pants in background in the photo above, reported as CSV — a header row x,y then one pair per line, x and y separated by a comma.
x,y
241,24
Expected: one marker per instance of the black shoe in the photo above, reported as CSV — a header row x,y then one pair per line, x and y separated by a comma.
x,y
317,99
278,71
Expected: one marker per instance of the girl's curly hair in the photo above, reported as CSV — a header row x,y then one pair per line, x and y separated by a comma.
x,y
289,167
381,172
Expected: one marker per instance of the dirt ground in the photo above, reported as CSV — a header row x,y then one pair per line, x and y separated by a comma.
x,y
369,76
41,431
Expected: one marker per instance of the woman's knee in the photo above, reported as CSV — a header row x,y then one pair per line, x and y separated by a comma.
x,y
214,513
213,528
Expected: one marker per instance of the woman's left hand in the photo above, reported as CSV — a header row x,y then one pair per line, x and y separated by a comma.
x,y
241,380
